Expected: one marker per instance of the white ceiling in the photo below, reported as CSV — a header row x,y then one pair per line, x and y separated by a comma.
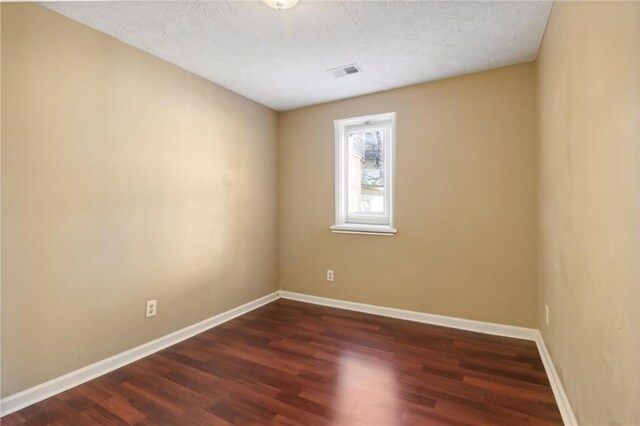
x,y
280,58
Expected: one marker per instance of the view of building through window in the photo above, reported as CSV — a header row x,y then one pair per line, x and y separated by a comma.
x,y
366,172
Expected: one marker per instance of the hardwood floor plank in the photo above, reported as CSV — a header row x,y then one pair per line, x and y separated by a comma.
x,y
292,363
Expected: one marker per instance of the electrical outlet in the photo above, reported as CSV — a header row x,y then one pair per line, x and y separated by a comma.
x,y
329,275
152,308
546,314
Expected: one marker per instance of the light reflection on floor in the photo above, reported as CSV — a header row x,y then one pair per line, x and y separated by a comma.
x,y
367,391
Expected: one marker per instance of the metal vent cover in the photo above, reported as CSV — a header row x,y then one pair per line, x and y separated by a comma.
x,y
344,70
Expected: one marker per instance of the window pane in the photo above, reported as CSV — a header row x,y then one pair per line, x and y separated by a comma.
x,y
366,184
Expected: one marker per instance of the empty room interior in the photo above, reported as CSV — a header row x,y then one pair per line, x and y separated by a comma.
x,y
289,212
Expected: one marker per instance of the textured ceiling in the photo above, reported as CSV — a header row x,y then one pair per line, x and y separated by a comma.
x,y
280,58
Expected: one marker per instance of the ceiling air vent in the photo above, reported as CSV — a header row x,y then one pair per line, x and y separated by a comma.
x,y
344,70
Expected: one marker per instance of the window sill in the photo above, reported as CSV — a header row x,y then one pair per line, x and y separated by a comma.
x,y
355,228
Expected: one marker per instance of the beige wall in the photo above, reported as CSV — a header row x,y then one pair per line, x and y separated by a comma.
x,y
0,201
124,178
465,209
589,103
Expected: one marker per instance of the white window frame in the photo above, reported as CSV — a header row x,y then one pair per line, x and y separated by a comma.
x,y
373,224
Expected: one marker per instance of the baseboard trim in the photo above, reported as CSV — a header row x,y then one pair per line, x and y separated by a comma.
x,y
459,323
562,400
55,386
463,324
45,390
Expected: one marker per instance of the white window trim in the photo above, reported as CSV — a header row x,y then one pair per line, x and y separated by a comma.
x,y
360,225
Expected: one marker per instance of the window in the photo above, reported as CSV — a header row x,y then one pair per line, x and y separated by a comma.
x,y
365,174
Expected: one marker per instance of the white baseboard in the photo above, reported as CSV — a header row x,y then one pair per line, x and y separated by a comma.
x,y
562,400
459,323
464,324
45,390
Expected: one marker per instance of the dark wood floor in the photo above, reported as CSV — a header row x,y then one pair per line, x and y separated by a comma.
x,y
292,363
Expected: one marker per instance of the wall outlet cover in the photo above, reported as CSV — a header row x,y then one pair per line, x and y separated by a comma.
x,y
152,308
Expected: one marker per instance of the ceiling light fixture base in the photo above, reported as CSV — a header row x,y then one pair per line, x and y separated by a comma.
x,y
280,4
